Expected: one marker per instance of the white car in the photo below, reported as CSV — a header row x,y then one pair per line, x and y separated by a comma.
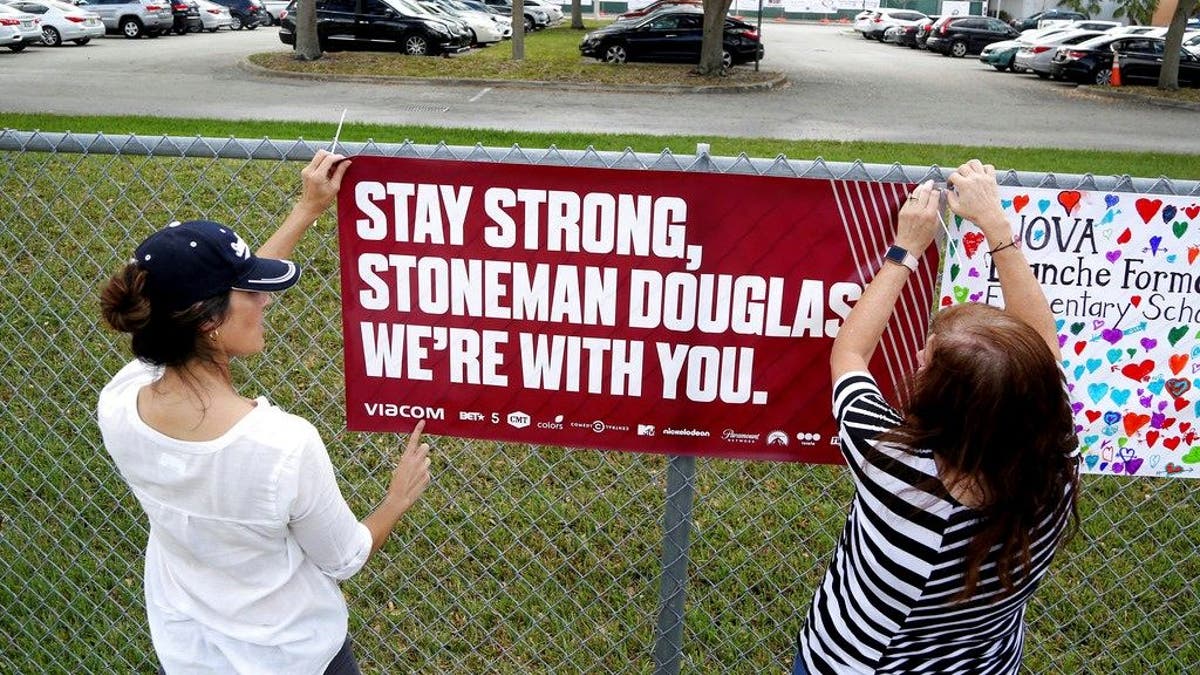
x,y
1037,54
554,13
61,22
214,16
883,19
27,26
484,31
274,8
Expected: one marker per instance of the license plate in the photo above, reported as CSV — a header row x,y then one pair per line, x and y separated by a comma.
x,y
26,24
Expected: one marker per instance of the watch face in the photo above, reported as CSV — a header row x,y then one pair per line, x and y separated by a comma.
x,y
896,254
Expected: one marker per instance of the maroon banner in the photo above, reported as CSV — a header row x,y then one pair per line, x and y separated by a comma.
x,y
650,311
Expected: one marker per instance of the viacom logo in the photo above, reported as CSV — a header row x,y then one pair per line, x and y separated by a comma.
x,y
519,419
777,437
556,424
645,430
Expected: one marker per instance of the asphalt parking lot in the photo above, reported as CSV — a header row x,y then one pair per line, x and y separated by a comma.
x,y
840,87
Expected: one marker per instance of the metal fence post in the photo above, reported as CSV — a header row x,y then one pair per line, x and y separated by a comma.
x,y
677,526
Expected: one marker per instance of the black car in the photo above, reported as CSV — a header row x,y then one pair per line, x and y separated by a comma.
x,y
669,35
1090,62
1032,20
1138,68
377,25
907,35
962,35
187,17
248,14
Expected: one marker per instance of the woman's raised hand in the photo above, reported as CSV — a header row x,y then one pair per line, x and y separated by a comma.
x,y
411,475
918,220
322,179
976,198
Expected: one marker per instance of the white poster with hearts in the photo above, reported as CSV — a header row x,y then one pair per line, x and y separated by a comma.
x,y
1122,274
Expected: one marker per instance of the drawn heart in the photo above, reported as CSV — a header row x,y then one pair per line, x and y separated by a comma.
x,y
1119,396
971,242
1176,362
1178,386
1069,199
973,273
1157,420
1076,407
1173,468
954,270
1092,415
947,301
1079,346
1043,204
974,297
1176,334
1125,237
1132,466
1005,203
1111,200
1179,228
1112,335
1091,461
1193,251
1181,403
1097,324
1151,438
1192,455
1092,365
1076,327
1150,343
1145,401
1155,242
1135,300
1062,339
1156,386
1112,417
1184,426
1113,355
1146,208
1171,442
1138,371
1168,213
1020,202
1192,211
961,293
1131,352
1097,390
1112,256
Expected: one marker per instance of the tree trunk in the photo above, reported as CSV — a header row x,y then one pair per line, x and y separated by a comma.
x,y
577,14
518,25
308,47
1168,76
714,37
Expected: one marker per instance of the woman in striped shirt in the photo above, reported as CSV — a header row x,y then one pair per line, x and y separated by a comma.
x,y
962,495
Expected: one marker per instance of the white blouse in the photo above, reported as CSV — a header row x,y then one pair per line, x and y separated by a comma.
x,y
249,535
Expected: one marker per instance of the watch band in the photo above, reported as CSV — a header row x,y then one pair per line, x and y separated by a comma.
x,y
901,256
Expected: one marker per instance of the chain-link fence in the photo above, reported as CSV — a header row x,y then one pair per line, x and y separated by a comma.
x,y
518,559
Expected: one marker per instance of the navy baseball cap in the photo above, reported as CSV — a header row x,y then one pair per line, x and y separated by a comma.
x,y
198,259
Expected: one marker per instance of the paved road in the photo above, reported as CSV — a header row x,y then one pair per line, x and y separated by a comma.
x,y
842,87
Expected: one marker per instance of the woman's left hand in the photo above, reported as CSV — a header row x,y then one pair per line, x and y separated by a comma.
x,y
322,179
918,220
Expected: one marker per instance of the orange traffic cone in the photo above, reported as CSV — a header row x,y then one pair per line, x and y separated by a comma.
x,y
1114,79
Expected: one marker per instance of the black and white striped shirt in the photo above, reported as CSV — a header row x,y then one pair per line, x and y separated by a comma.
x,y
887,603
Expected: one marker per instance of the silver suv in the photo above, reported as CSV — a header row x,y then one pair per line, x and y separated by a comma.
x,y
135,18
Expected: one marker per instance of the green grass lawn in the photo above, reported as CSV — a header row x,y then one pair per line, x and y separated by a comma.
x,y
519,559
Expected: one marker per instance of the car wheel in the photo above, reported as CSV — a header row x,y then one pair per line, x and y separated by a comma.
x,y
132,29
866,36
50,37
251,26
1103,75
528,24
615,53
18,47
1019,69
958,49
726,59
416,45
82,41
237,23
212,30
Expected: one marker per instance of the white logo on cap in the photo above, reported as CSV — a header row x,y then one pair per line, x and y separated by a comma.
x,y
240,248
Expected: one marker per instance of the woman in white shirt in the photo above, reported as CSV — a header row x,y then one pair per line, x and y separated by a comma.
x,y
249,533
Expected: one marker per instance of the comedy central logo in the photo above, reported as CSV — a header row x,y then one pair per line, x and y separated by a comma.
x,y
519,419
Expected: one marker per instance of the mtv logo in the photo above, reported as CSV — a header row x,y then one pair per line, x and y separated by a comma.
x,y
519,419
470,416
645,430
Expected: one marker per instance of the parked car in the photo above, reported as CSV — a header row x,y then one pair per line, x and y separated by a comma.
x,y
248,14
503,21
1145,68
670,35
377,24
484,27
460,24
187,17
1191,39
924,30
554,13
661,4
1000,55
883,19
27,28
273,9
535,17
214,16
1136,30
906,36
1090,62
61,21
962,35
134,18
1036,56
1056,14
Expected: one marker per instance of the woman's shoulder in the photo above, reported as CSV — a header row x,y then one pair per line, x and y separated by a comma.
x,y
125,383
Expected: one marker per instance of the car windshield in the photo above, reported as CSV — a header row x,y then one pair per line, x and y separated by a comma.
x,y
1098,42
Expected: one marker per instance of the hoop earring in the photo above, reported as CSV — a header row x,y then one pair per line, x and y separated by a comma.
x,y
214,335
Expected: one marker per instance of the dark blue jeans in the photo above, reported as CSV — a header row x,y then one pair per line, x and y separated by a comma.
x,y
798,668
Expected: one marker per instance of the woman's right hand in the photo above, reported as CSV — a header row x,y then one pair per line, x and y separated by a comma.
x,y
411,475
976,198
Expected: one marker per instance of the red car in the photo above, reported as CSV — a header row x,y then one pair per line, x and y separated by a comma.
x,y
655,6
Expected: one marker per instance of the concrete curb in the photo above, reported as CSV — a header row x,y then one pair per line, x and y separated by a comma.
x,y
1149,99
778,80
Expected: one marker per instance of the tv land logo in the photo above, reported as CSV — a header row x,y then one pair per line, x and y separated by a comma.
x,y
519,419
645,429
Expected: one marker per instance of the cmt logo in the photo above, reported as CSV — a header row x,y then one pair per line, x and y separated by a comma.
x,y
519,419
645,430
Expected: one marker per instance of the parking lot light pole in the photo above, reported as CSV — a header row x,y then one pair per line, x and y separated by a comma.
x,y
759,30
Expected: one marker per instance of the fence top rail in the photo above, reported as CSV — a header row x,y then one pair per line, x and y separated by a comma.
x,y
701,161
